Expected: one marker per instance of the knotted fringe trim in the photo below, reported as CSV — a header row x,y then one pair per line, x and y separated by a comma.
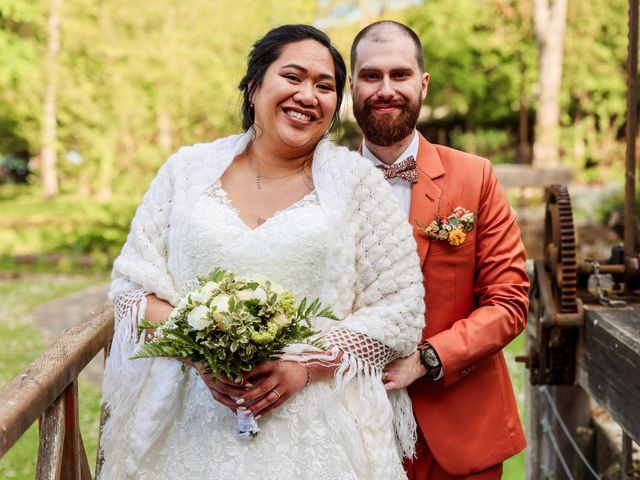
x,y
140,394
121,379
404,423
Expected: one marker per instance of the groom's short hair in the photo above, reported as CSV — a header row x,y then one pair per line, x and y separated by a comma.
x,y
383,31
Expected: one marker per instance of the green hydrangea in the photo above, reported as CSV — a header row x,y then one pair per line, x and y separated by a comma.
x,y
265,335
287,302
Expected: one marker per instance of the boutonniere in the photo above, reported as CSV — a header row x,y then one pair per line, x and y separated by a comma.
x,y
453,228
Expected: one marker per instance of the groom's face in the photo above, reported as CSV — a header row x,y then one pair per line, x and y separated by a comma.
x,y
388,87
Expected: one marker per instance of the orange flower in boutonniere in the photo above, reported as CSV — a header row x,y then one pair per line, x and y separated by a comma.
x,y
453,228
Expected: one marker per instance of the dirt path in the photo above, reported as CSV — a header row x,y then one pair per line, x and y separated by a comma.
x,y
56,317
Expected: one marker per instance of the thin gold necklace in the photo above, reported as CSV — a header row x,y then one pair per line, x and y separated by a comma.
x,y
259,176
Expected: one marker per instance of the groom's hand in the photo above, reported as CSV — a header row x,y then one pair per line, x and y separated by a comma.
x,y
403,372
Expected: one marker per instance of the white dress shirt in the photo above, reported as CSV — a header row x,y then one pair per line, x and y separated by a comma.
x,y
401,188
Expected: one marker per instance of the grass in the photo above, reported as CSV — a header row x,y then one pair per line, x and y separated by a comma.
x,y
21,343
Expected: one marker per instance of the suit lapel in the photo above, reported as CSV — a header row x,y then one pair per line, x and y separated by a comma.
x,y
425,195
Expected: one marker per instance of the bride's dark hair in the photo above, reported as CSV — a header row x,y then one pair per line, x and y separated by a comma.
x,y
268,49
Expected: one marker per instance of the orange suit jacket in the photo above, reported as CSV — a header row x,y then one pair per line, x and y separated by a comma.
x,y
476,303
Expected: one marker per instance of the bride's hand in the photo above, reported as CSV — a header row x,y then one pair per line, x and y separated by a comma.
x,y
273,384
223,389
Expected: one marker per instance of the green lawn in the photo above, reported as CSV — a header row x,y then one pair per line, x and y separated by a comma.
x,y
21,343
71,227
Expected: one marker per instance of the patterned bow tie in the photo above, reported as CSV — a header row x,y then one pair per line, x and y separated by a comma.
x,y
407,170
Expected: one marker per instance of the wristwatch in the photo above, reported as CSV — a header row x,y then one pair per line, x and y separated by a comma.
x,y
429,359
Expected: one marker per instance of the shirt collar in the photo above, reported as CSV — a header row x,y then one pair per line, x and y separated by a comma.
x,y
411,150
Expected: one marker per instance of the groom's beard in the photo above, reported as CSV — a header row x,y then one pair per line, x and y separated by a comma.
x,y
389,129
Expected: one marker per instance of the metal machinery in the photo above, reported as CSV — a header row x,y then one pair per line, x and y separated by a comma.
x,y
559,291
559,288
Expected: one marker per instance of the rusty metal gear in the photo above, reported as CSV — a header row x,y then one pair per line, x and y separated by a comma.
x,y
560,252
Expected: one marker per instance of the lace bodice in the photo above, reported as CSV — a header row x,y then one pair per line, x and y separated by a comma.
x,y
215,236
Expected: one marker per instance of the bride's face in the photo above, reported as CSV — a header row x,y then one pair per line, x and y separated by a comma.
x,y
296,101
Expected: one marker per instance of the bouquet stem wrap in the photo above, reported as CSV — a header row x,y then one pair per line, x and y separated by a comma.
x,y
246,424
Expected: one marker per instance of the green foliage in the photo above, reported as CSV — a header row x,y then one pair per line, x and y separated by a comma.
x,y
72,227
136,80
593,85
22,26
473,53
491,143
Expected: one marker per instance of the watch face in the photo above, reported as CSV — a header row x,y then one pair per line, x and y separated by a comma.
x,y
430,357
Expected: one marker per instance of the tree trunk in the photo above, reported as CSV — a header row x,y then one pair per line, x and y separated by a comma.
x,y
49,141
523,154
549,23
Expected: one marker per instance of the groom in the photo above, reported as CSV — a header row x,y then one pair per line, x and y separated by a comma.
x,y
473,264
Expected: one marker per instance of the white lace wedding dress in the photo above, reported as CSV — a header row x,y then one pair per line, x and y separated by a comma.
x,y
303,439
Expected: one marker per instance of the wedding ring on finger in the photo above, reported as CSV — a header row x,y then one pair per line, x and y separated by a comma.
x,y
277,393
385,375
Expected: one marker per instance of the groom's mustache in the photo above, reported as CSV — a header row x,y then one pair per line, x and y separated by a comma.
x,y
376,104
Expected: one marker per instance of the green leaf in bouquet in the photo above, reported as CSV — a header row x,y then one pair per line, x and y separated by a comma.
x,y
311,309
302,306
327,313
232,304
146,325
149,350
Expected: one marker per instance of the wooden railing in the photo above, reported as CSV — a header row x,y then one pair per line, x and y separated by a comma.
x,y
47,390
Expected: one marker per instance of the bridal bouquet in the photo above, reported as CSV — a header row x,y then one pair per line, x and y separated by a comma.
x,y
230,325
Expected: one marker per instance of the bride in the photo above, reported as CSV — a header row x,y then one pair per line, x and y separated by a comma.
x,y
282,201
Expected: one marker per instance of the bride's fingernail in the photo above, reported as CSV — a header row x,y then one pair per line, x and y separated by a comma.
x,y
258,417
248,385
240,401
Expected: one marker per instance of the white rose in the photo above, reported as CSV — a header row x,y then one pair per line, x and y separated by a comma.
x,y
220,303
245,295
204,294
197,318
280,320
181,304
